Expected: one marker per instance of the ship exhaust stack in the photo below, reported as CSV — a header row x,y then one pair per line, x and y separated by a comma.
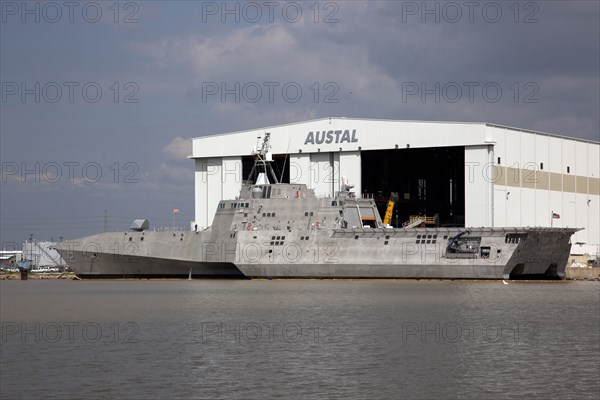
x,y
139,225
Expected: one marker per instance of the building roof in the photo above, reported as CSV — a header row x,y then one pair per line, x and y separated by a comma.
x,y
348,135
399,120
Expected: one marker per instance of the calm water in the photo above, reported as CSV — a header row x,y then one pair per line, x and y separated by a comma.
x,y
300,339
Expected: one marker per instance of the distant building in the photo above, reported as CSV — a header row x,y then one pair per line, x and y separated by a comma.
x,y
42,254
8,258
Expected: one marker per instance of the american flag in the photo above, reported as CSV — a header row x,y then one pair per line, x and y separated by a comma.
x,y
555,215
175,210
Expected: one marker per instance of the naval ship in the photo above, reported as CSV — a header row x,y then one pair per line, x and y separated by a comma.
x,y
282,230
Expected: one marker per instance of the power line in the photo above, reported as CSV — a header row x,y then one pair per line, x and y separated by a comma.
x,y
45,218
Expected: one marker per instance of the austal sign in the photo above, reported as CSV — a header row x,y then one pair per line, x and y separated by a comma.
x,y
320,137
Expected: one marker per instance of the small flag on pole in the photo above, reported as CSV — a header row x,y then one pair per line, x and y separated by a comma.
x,y
555,215
175,210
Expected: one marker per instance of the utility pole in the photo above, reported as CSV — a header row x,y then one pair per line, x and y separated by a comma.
x,y
31,248
105,221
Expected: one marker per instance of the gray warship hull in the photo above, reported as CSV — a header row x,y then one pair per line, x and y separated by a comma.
x,y
283,230
508,253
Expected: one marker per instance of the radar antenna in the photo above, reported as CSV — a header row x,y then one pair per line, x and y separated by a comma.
x,y
262,169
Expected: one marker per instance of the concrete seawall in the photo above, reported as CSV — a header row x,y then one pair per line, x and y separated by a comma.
x,y
583,273
573,273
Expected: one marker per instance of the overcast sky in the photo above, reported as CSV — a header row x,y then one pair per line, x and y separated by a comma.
x,y
99,100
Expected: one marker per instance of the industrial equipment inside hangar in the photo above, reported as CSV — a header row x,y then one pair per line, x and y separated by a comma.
x,y
428,181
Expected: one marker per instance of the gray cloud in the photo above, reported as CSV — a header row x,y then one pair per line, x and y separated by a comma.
x,y
370,56
179,148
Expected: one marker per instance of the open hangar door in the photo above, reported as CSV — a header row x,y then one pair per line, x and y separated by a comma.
x,y
430,182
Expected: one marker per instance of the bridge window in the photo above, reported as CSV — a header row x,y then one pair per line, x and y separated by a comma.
x,y
515,238
461,246
485,252
266,192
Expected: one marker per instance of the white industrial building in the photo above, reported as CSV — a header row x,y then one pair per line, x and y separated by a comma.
x,y
42,254
466,174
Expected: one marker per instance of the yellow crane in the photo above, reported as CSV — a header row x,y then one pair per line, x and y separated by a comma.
x,y
390,208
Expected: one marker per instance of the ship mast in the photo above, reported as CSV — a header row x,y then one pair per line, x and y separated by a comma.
x,y
262,163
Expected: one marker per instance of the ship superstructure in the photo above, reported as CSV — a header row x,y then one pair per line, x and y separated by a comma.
x,y
282,230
